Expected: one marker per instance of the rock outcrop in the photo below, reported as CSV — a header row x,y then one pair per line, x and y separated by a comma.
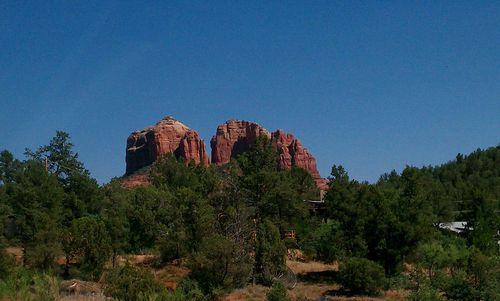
x,y
233,138
167,136
292,153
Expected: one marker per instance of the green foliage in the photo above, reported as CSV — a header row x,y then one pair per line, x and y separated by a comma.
x,y
484,272
484,223
91,243
60,158
228,222
457,287
116,205
361,276
270,251
261,157
149,215
129,283
170,173
425,292
220,264
278,292
9,166
381,222
28,285
36,201
460,273
321,241
6,262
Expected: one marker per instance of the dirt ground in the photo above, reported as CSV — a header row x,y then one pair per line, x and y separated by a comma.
x,y
309,290
313,282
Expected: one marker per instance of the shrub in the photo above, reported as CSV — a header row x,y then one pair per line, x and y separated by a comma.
x,y
425,292
128,283
6,263
270,254
23,284
457,288
218,265
278,293
361,276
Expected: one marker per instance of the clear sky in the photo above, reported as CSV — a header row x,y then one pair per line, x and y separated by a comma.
x,y
371,85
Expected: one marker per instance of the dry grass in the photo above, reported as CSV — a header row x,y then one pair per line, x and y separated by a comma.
x,y
299,267
170,275
83,298
17,252
250,292
311,291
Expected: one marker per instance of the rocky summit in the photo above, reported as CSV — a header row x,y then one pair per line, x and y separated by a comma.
x,y
168,136
231,139
292,153
235,137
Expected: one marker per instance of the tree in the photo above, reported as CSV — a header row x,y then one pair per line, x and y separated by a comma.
x,y
36,201
9,166
150,217
92,242
278,293
216,265
59,156
483,223
82,191
270,253
130,283
114,213
361,276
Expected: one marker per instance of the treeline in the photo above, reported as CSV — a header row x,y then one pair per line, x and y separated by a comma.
x,y
228,224
225,223
397,219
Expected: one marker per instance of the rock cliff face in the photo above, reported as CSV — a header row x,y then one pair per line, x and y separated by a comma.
x,y
292,153
233,138
167,136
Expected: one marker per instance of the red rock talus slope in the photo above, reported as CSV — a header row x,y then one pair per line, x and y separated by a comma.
x,y
233,138
167,136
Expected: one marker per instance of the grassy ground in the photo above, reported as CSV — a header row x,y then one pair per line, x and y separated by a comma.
x,y
315,282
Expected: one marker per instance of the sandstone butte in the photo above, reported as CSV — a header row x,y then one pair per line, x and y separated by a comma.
x,y
235,136
168,136
231,139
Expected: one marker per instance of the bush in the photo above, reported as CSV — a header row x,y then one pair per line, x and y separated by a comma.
x,y
270,254
23,284
278,293
6,263
425,292
457,288
361,276
128,284
218,266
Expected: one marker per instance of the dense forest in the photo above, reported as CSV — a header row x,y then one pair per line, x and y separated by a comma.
x,y
230,225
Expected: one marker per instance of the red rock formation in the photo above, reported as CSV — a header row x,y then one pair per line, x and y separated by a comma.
x,y
167,136
233,138
292,153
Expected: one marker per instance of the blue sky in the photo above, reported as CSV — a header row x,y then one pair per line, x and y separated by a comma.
x,y
371,85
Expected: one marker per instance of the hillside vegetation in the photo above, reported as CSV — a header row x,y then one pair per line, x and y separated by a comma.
x,y
229,226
